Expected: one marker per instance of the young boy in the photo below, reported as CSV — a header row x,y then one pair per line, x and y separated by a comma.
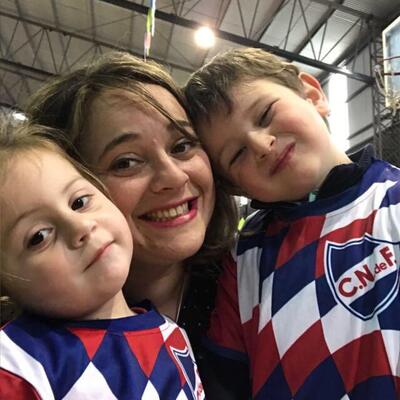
x,y
311,295
65,254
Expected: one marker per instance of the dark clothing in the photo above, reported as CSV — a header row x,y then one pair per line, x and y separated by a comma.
x,y
194,318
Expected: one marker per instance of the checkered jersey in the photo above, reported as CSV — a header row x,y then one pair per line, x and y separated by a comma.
x,y
313,301
145,356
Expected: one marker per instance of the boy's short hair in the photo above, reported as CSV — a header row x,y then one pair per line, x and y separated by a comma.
x,y
208,89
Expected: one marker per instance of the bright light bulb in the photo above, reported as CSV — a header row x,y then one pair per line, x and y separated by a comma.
x,y
19,116
204,37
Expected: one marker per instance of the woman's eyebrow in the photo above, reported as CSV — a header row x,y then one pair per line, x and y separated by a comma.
x,y
123,138
184,123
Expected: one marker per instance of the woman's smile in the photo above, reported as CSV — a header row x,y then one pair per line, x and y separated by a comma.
x,y
172,213
157,175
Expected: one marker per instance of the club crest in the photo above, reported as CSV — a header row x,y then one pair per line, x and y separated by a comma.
x,y
363,274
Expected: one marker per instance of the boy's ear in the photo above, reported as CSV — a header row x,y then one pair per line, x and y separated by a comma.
x,y
314,93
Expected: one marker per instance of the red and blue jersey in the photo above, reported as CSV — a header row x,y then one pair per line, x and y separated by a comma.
x,y
145,356
312,301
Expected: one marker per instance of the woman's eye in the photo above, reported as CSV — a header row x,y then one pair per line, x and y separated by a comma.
x,y
124,163
183,146
39,237
80,202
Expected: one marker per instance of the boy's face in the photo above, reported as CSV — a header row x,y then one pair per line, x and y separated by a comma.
x,y
275,145
67,247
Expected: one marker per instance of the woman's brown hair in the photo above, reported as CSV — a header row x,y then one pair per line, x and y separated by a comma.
x,y
65,103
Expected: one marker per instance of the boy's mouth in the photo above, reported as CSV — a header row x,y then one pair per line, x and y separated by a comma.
x,y
282,159
168,214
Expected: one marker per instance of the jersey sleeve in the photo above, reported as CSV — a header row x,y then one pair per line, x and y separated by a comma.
x,y
225,335
16,388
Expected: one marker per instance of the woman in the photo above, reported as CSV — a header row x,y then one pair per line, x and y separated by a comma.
x,y
128,121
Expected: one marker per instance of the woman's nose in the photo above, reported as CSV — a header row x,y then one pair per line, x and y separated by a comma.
x,y
261,143
168,174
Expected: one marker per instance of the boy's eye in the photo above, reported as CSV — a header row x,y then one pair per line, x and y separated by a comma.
x,y
39,237
183,146
80,202
237,155
265,117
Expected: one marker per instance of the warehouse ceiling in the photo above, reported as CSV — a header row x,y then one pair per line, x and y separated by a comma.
x,y
42,38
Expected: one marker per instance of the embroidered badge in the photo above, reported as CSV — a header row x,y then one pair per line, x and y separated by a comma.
x,y
363,274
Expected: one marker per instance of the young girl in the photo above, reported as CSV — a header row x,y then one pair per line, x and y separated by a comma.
x,y
65,254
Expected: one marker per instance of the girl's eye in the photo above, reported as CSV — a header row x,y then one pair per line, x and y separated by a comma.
x,y
183,146
39,237
80,202
237,155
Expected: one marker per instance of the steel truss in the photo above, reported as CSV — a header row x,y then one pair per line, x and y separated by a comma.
x,y
52,50
386,124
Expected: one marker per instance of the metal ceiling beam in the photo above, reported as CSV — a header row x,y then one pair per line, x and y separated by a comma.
x,y
348,10
87,39
320,23
30,72
57,23
253,19
186,23
223,9
349,54
261,32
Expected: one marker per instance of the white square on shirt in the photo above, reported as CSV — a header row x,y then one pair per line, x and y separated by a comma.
x,y
341,327
295,317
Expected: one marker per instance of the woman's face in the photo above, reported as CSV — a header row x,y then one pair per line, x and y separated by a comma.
x,y
160,179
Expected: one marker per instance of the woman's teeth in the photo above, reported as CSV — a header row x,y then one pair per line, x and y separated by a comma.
x,y
165,215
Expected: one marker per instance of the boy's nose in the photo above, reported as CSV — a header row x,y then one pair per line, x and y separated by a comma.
x,y
168,174
261,143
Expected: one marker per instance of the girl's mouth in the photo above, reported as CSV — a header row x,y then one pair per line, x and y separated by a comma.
x,y
170,213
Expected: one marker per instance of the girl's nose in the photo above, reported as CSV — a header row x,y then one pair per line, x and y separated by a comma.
x,y
80,227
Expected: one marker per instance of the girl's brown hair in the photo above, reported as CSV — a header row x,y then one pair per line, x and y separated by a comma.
x,y
20,140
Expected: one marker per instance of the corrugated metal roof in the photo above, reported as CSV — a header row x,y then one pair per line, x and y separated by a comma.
x,y
40,38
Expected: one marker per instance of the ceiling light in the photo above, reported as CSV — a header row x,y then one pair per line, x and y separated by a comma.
x,y
204,37
19,116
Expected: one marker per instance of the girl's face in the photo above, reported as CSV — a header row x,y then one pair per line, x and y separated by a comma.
x,y
67,247
160,179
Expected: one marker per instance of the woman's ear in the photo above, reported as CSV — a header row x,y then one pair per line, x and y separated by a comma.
x,y
314,93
